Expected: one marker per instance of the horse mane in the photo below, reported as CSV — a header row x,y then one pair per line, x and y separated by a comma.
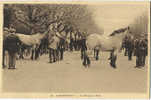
x,y
118,31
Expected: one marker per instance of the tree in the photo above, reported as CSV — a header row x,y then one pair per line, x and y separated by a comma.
x,y
37,17
140,25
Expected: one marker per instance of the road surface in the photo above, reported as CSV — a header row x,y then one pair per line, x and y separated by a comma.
x,y
70,76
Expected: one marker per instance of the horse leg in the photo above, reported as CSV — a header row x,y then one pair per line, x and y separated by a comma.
x,y
97,54
94,53
113,59
88,61
32,54
21,51
37,52
82,53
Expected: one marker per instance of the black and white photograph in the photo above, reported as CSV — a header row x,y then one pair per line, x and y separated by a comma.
x,y
76,48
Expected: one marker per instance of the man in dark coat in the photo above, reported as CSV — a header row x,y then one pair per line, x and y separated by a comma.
x,y
71,42
126,46
141,49
138,53
12,46
130,46
84,56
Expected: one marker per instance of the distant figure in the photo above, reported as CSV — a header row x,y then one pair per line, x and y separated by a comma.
x,y
141,53
96,53
126,46
112,59
86,60
136,41
78,42
130,46
71,42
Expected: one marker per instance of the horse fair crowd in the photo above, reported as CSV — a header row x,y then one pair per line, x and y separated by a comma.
x,y
17,50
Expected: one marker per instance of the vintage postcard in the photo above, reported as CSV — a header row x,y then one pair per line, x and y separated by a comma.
x,y
75,49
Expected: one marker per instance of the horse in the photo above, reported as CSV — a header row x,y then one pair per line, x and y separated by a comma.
x,y
30,42
111,43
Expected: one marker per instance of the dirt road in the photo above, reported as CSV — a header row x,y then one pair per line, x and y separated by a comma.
x,y
70,76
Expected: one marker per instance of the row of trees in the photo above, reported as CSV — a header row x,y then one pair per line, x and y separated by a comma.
x,y
140,25
29,18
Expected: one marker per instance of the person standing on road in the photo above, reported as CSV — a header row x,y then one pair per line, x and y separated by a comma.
x,y
141,53
126,46
143,50
71,41
130,47
12,45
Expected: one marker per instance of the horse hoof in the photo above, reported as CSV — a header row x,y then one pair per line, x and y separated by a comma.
x,y
97,58
85,65
50,61
114,66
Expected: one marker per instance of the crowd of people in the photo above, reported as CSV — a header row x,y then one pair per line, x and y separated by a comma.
x,y
56,45
136,47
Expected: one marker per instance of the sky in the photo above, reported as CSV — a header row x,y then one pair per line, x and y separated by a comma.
x,y
115,16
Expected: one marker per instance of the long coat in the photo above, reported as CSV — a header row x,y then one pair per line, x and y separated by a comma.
x,y
53,42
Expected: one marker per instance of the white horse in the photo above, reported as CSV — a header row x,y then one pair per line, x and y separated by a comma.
x,y
30,41
111,43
